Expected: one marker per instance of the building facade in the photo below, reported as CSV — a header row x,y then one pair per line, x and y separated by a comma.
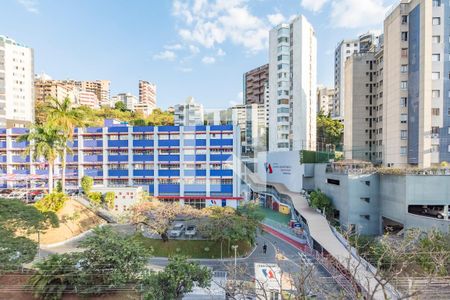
x,y
196,165
416,68
188,114
16,83
147,94
325,98
292,86
128,99
255,84
344,50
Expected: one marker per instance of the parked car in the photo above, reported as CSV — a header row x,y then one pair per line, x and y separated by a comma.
x,y
191,231
435,211
177,230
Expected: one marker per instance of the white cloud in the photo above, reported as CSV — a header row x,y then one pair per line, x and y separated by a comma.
x,y
276,19
211,23
220,52
208,60
314,5
194,49
165,55
30,5
173,47
354,14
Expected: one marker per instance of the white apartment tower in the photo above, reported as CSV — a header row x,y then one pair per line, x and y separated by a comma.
x,y
292,86
16,84
188,114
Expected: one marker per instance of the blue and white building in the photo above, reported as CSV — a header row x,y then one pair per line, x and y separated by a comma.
x,y
196,165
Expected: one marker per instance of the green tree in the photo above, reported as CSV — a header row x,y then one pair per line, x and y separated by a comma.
x,y
321,201
66,117
58,187
44,142
110,260
15,216
329,131
54,276
109,199
120,105
52,202
86,184
95,198
178,278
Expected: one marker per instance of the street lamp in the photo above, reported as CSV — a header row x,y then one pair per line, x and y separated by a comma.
x,y
234,247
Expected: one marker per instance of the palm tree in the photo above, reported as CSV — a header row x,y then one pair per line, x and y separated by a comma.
x,y
44,141
66,117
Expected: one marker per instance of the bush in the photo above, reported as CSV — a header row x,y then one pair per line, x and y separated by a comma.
x,y
321,201
109,199
86,184
95,198
52,202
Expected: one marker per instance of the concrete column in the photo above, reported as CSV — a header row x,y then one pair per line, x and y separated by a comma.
x,y
80,156
181,161
155,161
208,183
105,155
130,156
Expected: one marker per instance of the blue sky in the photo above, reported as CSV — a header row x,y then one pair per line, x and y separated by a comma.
x,y
196,48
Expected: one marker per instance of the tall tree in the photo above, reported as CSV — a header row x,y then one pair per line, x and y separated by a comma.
x,y
178,278
66,117
44,142
329,132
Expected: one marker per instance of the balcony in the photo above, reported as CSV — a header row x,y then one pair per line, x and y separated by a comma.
x,y
117,158
92,143
3,159
169,173
93,158
198,157
170,157
195,188
200,173
221,142
221,128
169,189
144,173
220,173
118,129
169,143
3,144
72,144
143,129
169,129
220,189
143,157
18,130
41,172
21,172
93,130
118,143
72,158
19,145
20,159
118,173
93,173
221,157
195,142
143,143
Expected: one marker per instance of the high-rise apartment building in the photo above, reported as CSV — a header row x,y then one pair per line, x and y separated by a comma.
x,y
99,87
416,108
16,83
128,99
147,93
325,97
255,85
343,51
188,114
292,86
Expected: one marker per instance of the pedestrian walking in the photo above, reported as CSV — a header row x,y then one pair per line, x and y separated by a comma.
x,y
264,248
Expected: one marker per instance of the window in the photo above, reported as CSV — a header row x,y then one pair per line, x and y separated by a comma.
x,y
436,93
435,111
436,21
404,68
448,130
435,75
448,148
403,150
435,130
403,134
436,3
436,57
403,102
404,36
436,39
404,85
404,52
403,118
333,181
404,19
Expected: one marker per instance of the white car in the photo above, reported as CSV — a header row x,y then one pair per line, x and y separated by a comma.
x,y
177,230
190,231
